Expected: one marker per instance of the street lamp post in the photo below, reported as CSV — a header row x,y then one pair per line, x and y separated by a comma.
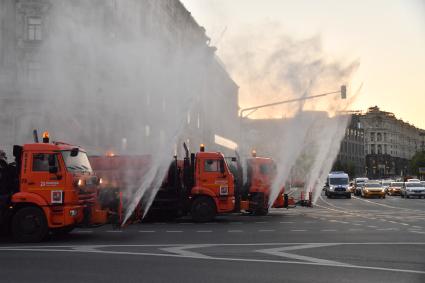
x,y
342,91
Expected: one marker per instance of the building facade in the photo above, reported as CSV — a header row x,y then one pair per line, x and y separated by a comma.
x,y
110,115
351,157
390,143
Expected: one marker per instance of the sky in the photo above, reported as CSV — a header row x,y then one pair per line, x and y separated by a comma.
x,y
386,37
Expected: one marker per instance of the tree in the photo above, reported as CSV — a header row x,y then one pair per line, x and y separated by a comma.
x,y
347,167
417,161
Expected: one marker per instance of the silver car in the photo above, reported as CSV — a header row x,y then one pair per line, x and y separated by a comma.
x,y
412,189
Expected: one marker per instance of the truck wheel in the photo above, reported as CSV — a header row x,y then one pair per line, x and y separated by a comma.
x,y
29,225
261,211
203,209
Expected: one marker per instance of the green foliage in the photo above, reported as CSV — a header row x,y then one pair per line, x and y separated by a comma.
x,y
347,167
417,161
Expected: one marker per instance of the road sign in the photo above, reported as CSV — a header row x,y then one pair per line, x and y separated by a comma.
x,y
421,170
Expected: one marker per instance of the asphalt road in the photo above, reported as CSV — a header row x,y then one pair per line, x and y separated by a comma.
x,y
339,240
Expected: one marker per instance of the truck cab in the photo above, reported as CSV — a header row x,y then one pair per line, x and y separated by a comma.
x,y
210,185
55,190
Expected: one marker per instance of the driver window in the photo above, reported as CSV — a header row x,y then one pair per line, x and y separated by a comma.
x,y
211,165
40,161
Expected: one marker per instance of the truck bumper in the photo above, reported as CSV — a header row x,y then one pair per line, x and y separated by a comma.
x,y
225,204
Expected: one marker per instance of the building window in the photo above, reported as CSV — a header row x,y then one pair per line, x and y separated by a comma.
x,y
33,72
372,149
379,137
34,28
379,149
372,136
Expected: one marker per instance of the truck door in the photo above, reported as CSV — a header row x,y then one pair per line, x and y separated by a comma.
x,y
212,176
45,177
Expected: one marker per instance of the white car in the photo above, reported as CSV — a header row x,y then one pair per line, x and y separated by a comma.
x,y
412,189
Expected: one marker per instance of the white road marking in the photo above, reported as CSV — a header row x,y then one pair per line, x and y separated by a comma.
x,y
418,227
418,232
114,231
174,231
261,222
385,205
66,249
372,226
265,230
282,252
83,231
204,231
357,224
328,230
234,231
299,230
286,222
147,231
183,251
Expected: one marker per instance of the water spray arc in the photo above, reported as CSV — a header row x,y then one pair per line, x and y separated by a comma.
x,y
277,187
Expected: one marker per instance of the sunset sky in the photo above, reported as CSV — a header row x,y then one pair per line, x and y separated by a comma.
x,y
387,37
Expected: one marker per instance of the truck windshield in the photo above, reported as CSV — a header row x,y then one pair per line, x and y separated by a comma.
x,y
338,181
79,163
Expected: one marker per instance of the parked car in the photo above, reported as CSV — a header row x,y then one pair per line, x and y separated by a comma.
x,y
358,184
412,189
386,184
414,180
394,188
373,189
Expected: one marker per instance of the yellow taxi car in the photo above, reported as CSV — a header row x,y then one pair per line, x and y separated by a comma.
x,y
394,188
373,189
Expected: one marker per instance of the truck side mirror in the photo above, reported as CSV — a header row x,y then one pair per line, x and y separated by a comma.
x,y
75,151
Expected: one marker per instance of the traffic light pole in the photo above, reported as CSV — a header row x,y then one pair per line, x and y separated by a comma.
x,y
343,92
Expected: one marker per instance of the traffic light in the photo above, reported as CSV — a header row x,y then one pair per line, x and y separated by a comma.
x,y
343,92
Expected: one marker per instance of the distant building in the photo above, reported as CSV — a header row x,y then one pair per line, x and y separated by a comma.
x,y
390,143
351,157
25,25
